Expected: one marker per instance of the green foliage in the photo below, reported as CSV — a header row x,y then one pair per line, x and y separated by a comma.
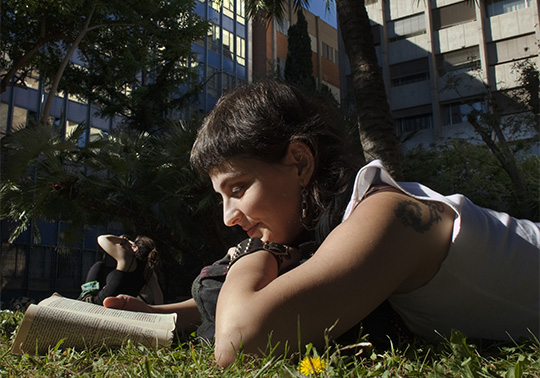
x,y
134,54
269,9
140,182
299,66
472,170
456,357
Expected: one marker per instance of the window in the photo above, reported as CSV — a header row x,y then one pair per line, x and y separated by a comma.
x,y
283,26
328,52
241,11
68,271
32,80
457,112
228,8
241,51
21,117
214,4
82,100
212,81
414,123
96,134
199,42
13,266
70,128
4,109
459,60
409,72
280,69
376,31
407,27
228,81
496,7
228,44
453,14
511,49
40,267
213,38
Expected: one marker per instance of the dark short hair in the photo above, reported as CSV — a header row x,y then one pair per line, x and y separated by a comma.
x,y
260,120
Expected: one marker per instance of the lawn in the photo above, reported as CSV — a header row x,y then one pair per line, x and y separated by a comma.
x,y
456,357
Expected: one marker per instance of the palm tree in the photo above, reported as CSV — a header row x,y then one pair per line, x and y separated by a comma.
x,y
137,182
375,125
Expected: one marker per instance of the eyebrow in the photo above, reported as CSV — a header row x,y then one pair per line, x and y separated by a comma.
x,y
230,177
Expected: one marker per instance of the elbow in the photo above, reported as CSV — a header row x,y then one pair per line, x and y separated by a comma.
x,y
225,354
103,240
229,341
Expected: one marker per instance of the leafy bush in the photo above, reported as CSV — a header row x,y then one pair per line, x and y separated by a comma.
x,y
472,170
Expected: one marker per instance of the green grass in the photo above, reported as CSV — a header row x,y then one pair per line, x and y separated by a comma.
x,y
456,357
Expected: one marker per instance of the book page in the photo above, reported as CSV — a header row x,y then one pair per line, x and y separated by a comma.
x,y
89,309
83,324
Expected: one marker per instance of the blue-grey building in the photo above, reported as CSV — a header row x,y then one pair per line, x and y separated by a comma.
x,y
37,270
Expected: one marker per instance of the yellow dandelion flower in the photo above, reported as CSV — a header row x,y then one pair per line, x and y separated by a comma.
x,y
311,365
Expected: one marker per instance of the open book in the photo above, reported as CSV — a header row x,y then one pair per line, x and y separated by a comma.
x,y
81,324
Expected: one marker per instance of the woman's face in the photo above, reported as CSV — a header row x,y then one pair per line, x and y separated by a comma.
x,y
264,199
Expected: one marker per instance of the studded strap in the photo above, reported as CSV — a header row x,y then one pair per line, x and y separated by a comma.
x,y
250,245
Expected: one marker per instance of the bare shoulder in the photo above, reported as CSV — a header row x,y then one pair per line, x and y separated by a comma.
x,y
405,213
412,234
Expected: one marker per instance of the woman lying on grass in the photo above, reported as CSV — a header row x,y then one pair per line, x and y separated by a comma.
x,y
285,178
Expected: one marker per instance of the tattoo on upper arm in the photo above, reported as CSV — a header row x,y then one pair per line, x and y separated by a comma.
x,y
410,213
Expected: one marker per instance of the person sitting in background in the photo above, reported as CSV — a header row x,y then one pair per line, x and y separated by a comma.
x,y
132,271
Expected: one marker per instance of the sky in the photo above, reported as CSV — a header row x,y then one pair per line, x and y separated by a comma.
x,y
318,8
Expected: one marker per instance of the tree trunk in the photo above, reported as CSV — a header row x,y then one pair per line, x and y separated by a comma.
x,y
375,124
506,158
21,62
54,87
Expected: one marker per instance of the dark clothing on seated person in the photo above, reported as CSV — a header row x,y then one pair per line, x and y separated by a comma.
x,y
116,282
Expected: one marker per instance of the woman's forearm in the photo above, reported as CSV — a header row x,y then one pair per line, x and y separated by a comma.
x,y
237,325
188,314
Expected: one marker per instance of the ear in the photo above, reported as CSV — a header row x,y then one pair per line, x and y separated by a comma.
x,y
300,155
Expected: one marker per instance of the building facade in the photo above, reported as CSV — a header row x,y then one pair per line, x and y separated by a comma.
x,y
223,58
36,270
439,58
270,47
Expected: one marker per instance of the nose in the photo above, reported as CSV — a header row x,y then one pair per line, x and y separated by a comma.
x,y
231,215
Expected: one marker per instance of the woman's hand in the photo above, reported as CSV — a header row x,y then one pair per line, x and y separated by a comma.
x,y
189,317
126,302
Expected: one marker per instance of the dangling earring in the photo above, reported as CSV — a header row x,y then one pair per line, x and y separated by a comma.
x,y
304,203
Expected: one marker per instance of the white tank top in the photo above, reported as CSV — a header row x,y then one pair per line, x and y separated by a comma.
x,y
489,284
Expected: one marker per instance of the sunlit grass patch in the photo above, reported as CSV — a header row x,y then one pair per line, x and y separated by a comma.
x,y
454,357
